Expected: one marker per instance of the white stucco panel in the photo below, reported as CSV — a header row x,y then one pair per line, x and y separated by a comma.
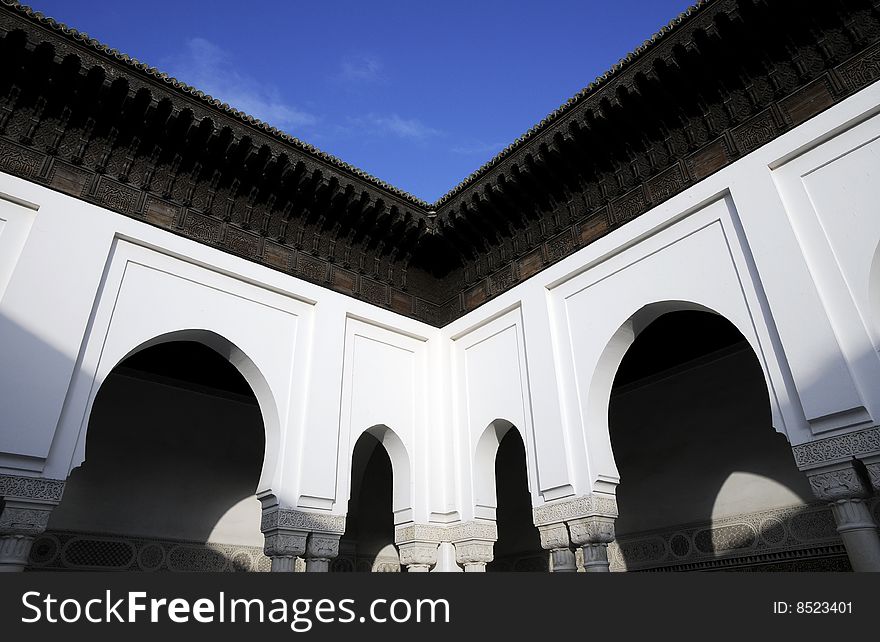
x,y
148,297
688,264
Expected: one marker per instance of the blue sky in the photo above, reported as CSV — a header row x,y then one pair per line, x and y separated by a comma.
x,y
419,94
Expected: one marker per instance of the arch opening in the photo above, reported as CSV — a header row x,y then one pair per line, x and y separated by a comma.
x,y
502,493
171,461
691,430
368,542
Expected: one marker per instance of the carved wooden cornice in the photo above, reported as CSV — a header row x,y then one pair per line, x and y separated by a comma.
x,y
722,79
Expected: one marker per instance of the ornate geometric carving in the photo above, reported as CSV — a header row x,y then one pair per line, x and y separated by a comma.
x,y
554,536
766,536
24,521
373,292
18,161
285,518
201,228
116,197
591,530
502,280
92,551
471,530
31,488
832,485
666,184
862,69
560,246
242,243
756,132
838,448
311,269
575,508
629,206
473,554
418,554
283,543
419,532
322,546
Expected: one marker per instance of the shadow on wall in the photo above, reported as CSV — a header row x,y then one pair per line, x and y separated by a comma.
x,y
368,542
694,443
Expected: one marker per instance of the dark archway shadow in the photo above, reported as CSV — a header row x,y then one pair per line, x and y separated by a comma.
x,y
174,451
368,542
694,443
519,545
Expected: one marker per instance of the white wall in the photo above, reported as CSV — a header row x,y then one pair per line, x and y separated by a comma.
x,y
783,243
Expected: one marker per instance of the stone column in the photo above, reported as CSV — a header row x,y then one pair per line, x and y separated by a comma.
x,y
846,490
844,470
418,544
474,543
586,521
554,538
27,505
321,549
293,533
593,534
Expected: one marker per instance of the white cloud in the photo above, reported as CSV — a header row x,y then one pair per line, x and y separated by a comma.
x,y
393,125
477,148
361,69
210,69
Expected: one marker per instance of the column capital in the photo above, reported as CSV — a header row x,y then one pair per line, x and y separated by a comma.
x,y
289,532
474,543
839,481
591,530
27,506
418,545
555,538
321,548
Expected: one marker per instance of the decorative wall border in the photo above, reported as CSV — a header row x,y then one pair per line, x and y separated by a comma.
x,y
575,508
39,488
838,448
763,537
79,551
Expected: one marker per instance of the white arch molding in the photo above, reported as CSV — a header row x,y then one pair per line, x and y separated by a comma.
x,y
401,470
229,351
602,381
485,453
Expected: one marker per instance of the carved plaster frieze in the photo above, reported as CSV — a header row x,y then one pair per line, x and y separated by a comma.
x,y
591,530
285,544
554,536
418,554
838,448
472,552
486,530
472,530
575,508
40,488
419,533
289,519
832,485
322,546
23,520
874,475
